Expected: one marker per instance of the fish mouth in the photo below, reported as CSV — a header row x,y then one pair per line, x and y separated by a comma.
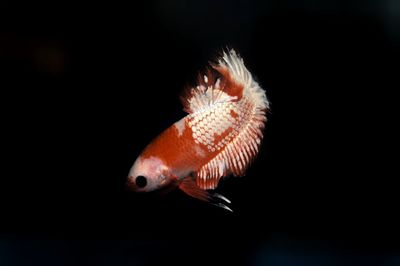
x,y
130,185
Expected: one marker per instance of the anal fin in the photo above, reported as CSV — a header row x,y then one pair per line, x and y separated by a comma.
x,y
189,186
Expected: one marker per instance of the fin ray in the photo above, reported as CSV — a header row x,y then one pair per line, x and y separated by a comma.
x,y
243,123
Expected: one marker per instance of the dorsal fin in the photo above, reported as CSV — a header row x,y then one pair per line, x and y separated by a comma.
x,y
211,89
228,80
232,129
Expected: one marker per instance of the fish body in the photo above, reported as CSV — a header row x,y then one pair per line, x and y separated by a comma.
x,y
219,137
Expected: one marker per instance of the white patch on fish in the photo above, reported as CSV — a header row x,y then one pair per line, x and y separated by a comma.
x,y
180,126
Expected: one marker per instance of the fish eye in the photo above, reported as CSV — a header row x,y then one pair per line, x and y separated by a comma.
x,y
141,181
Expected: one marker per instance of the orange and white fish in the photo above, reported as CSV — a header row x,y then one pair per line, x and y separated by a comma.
x,y
220,136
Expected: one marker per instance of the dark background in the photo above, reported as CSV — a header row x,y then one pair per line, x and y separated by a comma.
x,y
86,85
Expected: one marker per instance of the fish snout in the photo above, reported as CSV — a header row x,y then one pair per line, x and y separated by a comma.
x,y
130,184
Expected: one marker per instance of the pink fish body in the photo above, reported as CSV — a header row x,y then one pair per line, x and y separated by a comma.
x,y
219,137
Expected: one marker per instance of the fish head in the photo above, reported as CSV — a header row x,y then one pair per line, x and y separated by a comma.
x,y
149,174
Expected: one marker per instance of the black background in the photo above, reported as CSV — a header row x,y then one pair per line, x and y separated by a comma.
x,y
85,86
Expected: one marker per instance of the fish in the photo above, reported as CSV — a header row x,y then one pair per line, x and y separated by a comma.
x,y
219,137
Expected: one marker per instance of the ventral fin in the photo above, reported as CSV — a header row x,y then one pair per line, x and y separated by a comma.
x,y
189,186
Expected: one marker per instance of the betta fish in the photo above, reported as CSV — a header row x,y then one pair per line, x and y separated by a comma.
x,y
219,137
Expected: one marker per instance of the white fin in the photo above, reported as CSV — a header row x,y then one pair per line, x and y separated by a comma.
x,y
223,206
